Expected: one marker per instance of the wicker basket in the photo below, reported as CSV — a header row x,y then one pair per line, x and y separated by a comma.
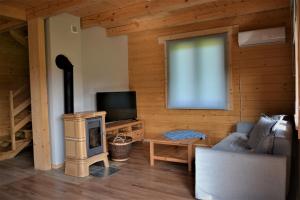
x,y
119,148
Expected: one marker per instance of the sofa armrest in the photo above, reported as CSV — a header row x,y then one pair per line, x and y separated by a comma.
x,y
227,175
244,127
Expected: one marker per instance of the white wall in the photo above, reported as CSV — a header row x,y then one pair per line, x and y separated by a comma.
x,y
100,64
105,64
60,40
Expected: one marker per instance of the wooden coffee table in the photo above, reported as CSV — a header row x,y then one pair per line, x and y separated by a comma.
x,y
169,156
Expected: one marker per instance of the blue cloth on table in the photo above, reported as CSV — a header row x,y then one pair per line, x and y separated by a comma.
x,y
184,134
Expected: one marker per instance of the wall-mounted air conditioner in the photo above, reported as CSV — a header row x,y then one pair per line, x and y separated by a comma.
x,y
262,36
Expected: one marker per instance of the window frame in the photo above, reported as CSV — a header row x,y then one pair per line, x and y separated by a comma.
x,y
229,32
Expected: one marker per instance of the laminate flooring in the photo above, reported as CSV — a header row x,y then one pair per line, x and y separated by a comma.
x,y
135,180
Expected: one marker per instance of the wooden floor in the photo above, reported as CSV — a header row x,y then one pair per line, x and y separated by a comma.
x,y
135,180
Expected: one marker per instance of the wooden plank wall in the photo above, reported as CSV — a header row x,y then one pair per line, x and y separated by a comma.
x,y
262,78
14,72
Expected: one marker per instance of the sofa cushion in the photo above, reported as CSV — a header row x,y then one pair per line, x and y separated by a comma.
x,y
283,138
283,129
265,145
278,117
235,142
261,129
244,127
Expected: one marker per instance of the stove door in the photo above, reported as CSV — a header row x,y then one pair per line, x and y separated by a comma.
x,y
94,140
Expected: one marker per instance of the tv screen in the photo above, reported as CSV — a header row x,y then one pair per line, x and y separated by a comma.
x,y
118,105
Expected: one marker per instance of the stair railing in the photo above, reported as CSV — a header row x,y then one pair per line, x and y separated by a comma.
x,y
14,111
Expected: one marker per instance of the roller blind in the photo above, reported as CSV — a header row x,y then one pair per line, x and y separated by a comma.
x,y
197,73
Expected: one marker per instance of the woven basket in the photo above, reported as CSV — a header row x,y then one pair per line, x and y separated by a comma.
x,y
119,148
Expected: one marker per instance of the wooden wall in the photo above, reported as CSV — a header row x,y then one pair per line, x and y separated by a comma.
x,y
262,78
13,74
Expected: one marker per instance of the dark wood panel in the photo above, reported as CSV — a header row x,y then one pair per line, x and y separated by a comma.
x,y
14,73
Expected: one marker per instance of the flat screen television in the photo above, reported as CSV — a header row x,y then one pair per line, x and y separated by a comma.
x,y
118,105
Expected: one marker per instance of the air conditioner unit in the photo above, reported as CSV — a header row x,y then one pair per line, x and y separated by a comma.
x,y
262,36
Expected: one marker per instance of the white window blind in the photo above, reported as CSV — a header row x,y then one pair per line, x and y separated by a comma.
x,y
197,72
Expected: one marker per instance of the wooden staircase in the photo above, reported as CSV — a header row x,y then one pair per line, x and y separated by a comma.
x,y
20,116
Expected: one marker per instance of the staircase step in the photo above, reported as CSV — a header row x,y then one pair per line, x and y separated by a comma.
x,y
5,138
4,144
22,106
28,134
20,142
11,154
22,123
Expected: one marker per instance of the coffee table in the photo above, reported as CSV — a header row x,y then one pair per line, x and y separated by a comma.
x,y
169,156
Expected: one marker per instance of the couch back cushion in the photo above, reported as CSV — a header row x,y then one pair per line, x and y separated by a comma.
x,y
283,129
283,138
244,127
265,145
261,129
279,141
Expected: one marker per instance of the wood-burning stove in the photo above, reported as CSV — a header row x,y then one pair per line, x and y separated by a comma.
x,y
85,142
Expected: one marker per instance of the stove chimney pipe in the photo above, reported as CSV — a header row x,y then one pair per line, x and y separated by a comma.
x,y
63,63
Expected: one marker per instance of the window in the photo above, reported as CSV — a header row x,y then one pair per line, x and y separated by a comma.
x,y
197,72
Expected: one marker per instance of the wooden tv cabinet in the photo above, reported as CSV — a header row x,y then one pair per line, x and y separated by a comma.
x,y
132,128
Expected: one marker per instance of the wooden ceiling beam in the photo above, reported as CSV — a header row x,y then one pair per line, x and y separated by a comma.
x,y
124,14
39,94
199,14
12,12
12,24
55,7
18,36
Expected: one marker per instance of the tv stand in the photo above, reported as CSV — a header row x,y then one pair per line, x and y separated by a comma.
x,y
132,128
121,122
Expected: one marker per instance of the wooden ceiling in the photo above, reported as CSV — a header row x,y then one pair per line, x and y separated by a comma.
x,y
127,16
79,8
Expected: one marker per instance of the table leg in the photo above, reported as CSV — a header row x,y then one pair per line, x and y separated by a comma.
x,y
151,153
106,163
190,156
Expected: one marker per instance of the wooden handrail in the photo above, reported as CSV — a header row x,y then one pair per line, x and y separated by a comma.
x,y
20,90
12,120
